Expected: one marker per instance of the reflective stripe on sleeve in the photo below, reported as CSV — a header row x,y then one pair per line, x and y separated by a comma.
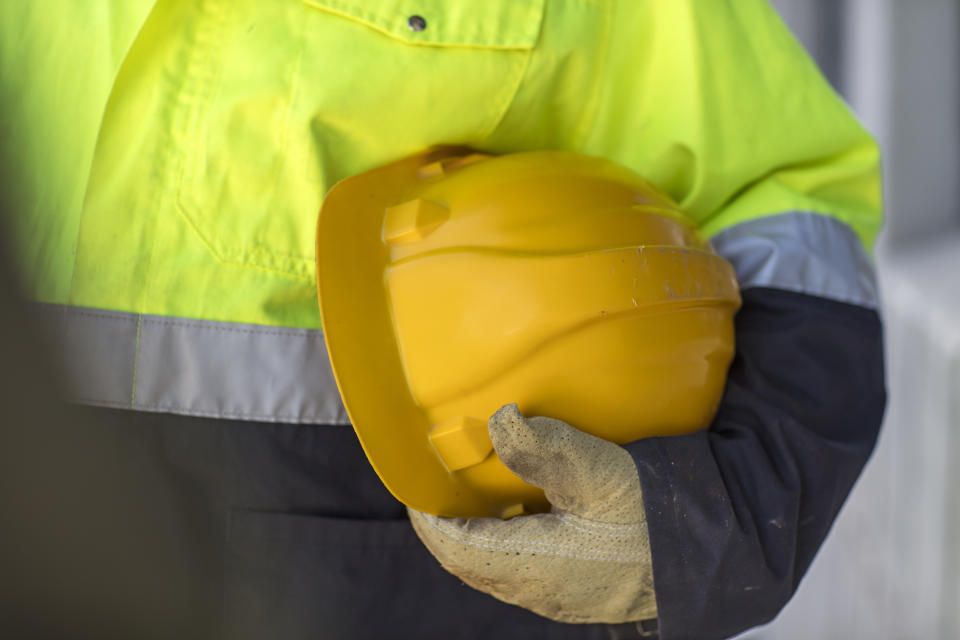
x,y
803,252
193,367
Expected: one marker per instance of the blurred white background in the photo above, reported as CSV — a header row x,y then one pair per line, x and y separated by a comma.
x,y
890,568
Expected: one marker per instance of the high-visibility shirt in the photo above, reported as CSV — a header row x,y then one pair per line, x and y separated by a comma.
x,y
165,161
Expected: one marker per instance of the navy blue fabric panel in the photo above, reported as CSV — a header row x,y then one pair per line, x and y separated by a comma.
x,y
152,525
737,513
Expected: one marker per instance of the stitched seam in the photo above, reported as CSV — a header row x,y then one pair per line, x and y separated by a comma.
x,y
377,22
136,364
597,523
269,417
508,99
607,534
66,309
454,532
308,334
611,557
220,256
265,248
532,547
275,272
600,528
294,82
589,114
195,127
226,414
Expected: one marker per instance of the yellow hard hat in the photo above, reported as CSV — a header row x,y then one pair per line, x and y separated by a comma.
x,y
452,283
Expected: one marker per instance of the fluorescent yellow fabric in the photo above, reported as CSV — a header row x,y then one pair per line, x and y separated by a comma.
x,y
170,158
58,61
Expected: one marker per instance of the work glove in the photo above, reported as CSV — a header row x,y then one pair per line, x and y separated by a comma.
x,y
588,560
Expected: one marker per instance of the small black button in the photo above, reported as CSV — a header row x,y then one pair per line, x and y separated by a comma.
x,y
416,23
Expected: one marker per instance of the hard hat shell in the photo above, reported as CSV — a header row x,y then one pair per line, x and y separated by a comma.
x,y
452,283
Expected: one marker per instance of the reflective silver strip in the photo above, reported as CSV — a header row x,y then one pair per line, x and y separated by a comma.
x,y
801,251
194,367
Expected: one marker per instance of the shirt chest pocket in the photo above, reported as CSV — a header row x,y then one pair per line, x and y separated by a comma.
x,y
302,93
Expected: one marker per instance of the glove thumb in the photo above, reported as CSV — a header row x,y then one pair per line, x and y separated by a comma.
x,y
579,473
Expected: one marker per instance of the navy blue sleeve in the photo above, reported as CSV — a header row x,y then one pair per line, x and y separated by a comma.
x,y
736,513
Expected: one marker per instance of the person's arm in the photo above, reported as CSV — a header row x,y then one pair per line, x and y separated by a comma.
x,y
736,514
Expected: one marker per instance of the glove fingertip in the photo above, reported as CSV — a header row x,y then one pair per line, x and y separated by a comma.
x,y
504,425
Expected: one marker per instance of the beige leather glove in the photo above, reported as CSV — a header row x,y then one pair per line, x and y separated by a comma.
x,y
588,560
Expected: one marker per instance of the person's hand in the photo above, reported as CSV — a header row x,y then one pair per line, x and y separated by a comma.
x,y
588,560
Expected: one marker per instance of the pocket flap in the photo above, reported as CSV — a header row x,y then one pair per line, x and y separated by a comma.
x,y
502,24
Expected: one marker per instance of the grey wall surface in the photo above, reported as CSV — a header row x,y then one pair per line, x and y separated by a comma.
x,y
897,62
923,141
819,25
